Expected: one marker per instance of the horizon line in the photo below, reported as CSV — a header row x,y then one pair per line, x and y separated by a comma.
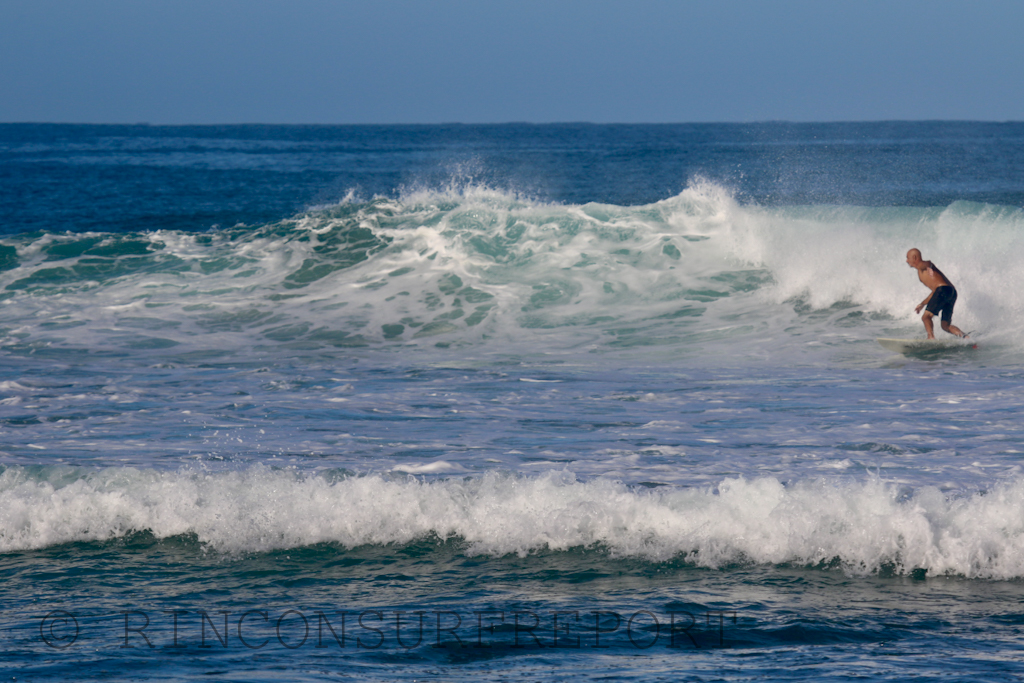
x,y
511,123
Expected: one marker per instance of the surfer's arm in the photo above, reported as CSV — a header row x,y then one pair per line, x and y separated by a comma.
x,y
924,303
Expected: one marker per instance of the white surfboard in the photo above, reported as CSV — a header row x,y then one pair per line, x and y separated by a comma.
x,y
914,346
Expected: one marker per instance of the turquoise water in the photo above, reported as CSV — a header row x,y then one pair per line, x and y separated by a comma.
x,y
297,403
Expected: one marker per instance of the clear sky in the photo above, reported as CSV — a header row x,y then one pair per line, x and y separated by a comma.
x,y
430,61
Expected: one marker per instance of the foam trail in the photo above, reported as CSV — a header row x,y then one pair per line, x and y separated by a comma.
x,y
866,527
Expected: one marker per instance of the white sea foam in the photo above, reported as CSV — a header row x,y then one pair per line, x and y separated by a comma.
x,y
435,467
481,268
864,527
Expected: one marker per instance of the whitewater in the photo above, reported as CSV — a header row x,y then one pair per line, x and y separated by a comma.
x,y
491,273
859,527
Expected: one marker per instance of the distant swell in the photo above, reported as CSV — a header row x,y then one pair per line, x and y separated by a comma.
x,y
861,527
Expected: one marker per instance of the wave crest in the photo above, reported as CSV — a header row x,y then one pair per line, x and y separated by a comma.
x,y
864,527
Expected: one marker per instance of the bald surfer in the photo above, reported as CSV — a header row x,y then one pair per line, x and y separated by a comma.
x,y
941,299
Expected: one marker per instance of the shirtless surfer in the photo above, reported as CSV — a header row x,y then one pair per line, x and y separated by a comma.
x,y
942,298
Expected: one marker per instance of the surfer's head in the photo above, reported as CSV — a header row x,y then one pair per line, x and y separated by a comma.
x,y
913,257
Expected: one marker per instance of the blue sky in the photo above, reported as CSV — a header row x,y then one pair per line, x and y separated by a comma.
x,y
430,61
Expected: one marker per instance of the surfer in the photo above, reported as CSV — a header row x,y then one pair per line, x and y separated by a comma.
x,y
941,299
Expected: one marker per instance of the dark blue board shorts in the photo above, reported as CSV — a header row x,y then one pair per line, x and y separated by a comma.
x,y
943,299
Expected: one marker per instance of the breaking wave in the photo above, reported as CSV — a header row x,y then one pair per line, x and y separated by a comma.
x,y
863,527
478,268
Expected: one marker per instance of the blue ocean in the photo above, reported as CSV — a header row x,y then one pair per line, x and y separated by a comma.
x,y
509,402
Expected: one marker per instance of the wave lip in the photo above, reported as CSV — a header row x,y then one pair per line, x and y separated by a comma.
x,y
867,527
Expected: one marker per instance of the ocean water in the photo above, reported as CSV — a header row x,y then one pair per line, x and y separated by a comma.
x,y
509,402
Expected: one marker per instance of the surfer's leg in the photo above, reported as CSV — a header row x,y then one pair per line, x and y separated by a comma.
x,y
947,316
952,329
928,327
946,312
